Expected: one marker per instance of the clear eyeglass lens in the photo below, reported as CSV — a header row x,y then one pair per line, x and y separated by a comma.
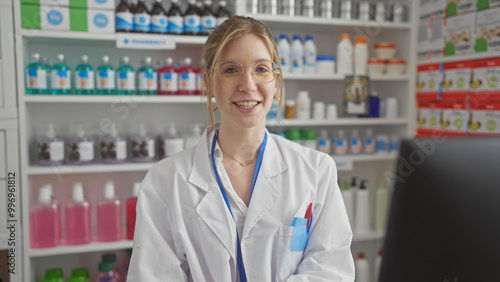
x,y
263,71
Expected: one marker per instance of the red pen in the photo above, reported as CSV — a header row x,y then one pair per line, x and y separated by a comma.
x,y
308,214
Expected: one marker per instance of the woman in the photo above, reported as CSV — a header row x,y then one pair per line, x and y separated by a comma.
x,y
243,204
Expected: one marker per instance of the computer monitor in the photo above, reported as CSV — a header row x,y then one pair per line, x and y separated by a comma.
x,y
444,220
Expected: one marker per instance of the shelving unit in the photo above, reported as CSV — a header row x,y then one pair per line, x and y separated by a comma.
x,y
188,109
447,59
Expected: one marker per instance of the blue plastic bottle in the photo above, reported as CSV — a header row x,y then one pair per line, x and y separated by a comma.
x,y
60,77
146,78
374,103
84,77
105,78
125,78
36,76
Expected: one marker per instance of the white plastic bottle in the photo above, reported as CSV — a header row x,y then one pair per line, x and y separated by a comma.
x,y
378,263
348,195
369,143
324,144
381,198
356,144
362,268
360,56
344,55
341,143
284,53
303,104
297,55
362,213
310,54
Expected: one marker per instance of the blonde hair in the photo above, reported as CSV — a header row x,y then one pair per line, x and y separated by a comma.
x,y
232,28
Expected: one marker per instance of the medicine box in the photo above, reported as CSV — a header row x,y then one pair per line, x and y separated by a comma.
x,y
423,41
91,20
460,34
428,115
454,118
485,81
90,4
429,78
459,7
488,30
484,119
437,38
456,80
44,17
425,11
487,4
438,9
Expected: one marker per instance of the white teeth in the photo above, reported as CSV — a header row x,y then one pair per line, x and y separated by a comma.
x,y
246,105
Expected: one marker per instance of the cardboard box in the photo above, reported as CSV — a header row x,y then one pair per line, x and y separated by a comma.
x,y
438,10
454,118
460,34
437,39
459,7
429,78
456,80
93,4
428,115
484,119
425,11
423,42
44,17
90,20
488,30
485,81
487,4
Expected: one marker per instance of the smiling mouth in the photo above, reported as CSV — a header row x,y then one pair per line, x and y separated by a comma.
x,y
246,105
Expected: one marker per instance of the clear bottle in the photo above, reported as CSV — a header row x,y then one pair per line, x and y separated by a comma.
x,y
362,268
362,222
284,52
345,51
341,144
142,146
355,144
222,13
303,104
208,19
193,136
192,19
45,220
170,143
168,78
159,20
84,77
369,142
146,78
142,18
77,218
46,66
106,273
113,147
124,19
36,76
297,55
125,78
60,77
199,78
360,56
175,18
109,216
187,78
105,78
80,148
131,204
324,144
310,54
50,148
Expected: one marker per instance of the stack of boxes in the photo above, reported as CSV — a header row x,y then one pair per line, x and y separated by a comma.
x,y
69,15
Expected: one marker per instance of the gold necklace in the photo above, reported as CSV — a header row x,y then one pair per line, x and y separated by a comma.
x,y
241,163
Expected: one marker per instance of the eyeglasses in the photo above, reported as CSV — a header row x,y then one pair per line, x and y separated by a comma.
x,y
263,71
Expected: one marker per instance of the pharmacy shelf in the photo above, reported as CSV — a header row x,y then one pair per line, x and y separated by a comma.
x,y
370,236
337,122
87,99
88,248
366,157
447,59
92,168
75,37
338,77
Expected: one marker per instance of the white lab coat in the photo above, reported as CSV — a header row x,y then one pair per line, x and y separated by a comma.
x,y
184,231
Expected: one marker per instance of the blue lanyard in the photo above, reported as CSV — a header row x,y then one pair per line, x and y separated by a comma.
x,y
241,267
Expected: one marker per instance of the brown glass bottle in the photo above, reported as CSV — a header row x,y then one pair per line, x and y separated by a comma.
x,y
142,18
124,21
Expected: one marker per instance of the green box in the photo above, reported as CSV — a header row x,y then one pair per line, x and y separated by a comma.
x,y
34,2
30,16
78,19
78,4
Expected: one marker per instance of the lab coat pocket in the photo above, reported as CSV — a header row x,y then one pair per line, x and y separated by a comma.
x,y
287,260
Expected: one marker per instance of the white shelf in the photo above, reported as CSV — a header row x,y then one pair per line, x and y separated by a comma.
x,y
88,248
371,236
92,168
337,122
335,77
447,59
167,99
366,158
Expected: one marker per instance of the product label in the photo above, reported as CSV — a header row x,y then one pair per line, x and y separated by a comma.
x,y
121,150
454,118
60,79
199,81
456,80
382,144
324,146
56,151
423,41
151,148
208,22
429,78
460,35
485,82
106,79
37,79
192,23
124,21
86,150
126,81
428,115
484,119
187,81
147,81
159,23
369,146
173,146
438,9
356,146
425,10
437,38
168,81
458,7
142,22
176,25
84,80
488,30
341,147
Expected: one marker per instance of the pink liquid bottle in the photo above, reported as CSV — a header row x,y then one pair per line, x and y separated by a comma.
x,y
187,78
77,218
109,216
131,214
167,78
45,220
106,273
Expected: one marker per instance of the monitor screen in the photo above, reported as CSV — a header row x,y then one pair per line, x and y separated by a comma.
x,y
444,220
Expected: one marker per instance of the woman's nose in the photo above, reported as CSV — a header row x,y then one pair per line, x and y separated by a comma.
x,y
247,81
